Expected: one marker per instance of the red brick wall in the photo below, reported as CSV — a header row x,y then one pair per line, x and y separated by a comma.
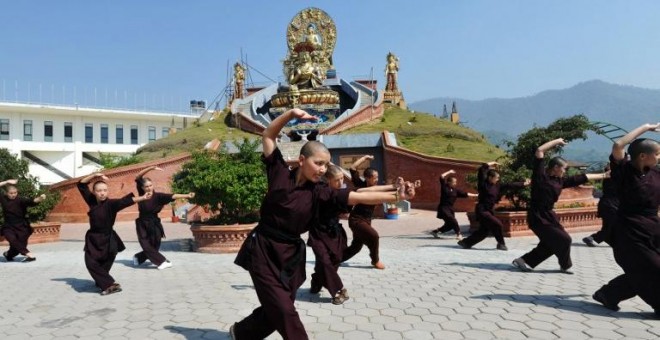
x,y
242,121
72,208
360,117
412,166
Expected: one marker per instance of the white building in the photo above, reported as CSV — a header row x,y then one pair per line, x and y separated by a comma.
x,y
62,142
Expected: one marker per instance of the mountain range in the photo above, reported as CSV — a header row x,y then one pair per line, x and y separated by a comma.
x,y
504,119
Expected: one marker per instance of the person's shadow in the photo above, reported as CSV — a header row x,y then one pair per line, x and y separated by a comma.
x,y
80,285
198,333
565,302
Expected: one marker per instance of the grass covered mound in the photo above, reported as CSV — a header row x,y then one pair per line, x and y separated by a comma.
x,y
429,135
414,131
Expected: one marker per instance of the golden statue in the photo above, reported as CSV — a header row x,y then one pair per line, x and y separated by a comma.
x,y
391,69
239,81
305,75
311,36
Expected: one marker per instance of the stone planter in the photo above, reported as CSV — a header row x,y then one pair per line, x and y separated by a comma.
x,y
43,232
220,239
574,220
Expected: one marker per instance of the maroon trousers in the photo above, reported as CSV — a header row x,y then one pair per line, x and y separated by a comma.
x,y
488,223
328,250
17,236
149,237
363,234
639,257
553,239
448,216
99,269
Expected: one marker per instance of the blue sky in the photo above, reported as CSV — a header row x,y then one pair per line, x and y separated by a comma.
x,y
171,51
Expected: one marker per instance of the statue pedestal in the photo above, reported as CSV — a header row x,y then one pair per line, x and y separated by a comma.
x,y
394,98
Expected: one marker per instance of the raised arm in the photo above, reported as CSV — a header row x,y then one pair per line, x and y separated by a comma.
x,y
93,176
9,181
447,173
540,151
269,135
618,148
146,170
361,160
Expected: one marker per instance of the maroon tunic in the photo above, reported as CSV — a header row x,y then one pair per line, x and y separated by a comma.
x,y
148,226
16,228
448,196
101,241
636,235
274,253
543,221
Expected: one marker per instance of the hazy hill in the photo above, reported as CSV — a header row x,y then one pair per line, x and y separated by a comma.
x,y
625,106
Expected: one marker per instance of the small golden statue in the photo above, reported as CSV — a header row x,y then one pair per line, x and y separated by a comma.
x,y
239,81
392,94
391,69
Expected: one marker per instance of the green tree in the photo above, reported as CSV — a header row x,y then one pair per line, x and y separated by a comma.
x,y
517,164
232,184
13,168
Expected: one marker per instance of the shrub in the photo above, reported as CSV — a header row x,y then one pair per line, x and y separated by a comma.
x,y
110,161
232,185
28,186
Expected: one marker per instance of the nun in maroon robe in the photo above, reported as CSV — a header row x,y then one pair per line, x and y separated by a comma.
x,y
148,225
635,237
16,229
101,241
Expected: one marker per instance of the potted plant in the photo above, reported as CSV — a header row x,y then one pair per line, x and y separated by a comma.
x,y
28,186
231,186
517,165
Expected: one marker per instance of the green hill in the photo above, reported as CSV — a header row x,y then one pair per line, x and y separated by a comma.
x,y
426,134
418,132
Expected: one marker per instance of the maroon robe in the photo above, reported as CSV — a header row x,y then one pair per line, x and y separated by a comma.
x,y
148,226
101,241
274,253
489,195
359,221
16,228
328,241
543,221
448,196
636,235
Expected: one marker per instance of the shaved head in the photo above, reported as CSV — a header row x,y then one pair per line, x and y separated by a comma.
x,y
312,148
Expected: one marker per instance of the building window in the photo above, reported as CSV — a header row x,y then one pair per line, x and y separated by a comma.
x,y
152,133
68,132
104,133
166,132
4,129
27,130
89,133
134,134
119,134
48,131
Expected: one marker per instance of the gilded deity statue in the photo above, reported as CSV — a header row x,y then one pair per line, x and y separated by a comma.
x,y
311,37
391,69
305,75
239,81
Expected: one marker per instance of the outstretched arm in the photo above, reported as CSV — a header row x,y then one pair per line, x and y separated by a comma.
x,y
594,177
540,152
93,176
147,169
188,195
273,130
40,198
372,198
9,181
618,147
142,198
379,188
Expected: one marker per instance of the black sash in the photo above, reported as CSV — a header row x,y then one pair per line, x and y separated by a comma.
x,y
280,236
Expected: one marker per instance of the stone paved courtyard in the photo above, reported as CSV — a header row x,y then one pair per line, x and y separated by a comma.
x,y
431,289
